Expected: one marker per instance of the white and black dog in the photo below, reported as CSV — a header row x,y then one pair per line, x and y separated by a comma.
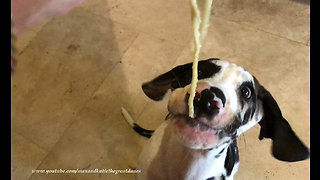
x,y
228,101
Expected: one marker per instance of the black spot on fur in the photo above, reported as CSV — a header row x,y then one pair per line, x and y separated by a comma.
x,y
212,178
246,116
232,157
219,94
223,177
230,129
249,113
219,154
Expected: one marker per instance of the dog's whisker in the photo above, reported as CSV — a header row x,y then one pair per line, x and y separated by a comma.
x,y
180,86
245,142
185,156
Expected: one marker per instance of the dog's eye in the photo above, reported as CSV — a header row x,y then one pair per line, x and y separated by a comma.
x,y
245,92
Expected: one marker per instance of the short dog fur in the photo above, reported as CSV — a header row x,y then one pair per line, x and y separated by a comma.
x,y
228,101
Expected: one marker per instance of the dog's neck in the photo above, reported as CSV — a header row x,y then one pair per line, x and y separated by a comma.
x,y
186,163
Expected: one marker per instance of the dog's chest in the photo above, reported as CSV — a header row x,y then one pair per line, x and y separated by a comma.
x,y
197,165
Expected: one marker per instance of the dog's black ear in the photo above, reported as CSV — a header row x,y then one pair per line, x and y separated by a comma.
x,y
286,146
178,77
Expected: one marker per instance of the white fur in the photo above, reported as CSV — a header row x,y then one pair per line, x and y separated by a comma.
x,y
181,162
165,157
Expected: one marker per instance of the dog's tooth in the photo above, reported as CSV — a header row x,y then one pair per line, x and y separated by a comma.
x,y
217,132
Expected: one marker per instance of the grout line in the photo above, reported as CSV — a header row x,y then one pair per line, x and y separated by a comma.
x,y
140,30
33,143
84,104
107,75
59,139
250,27
134,40
149,33
148,104
30,140
113,68
34,29
133,27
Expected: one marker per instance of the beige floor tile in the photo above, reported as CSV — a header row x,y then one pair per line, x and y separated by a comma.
x,y
25,38
98,56
94,141
145,59
25,157
98,7
153,114
64,74
169,20
289,19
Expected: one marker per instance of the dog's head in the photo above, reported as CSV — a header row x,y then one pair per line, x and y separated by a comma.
x,y
228,101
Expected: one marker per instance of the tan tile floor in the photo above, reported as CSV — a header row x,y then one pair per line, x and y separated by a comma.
x,y
75,72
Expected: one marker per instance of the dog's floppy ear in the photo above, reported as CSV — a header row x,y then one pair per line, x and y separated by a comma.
x,y
178,77
286,146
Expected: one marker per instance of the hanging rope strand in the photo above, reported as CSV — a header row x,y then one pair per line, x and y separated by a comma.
x,y
200,26
195,13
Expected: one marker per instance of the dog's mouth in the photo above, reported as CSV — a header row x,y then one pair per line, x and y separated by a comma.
x,y
199,133
197,123
195,133
213,120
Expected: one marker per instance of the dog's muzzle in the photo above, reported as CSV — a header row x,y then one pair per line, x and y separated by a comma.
x,y
208,102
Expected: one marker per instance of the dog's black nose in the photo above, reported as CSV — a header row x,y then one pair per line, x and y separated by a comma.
x,y
209,102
